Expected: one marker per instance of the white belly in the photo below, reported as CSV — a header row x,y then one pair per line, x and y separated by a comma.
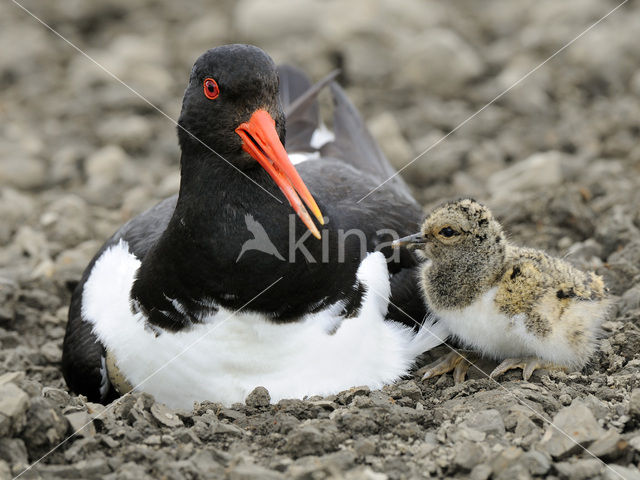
x,y
482,327
229,354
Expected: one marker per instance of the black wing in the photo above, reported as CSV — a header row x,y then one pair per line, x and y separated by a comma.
x,y
299,100
356,146
83,356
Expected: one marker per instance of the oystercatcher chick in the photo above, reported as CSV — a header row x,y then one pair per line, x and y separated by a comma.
x,y
258,272
513,304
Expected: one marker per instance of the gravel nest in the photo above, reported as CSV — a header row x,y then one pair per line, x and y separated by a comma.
x,y
557,159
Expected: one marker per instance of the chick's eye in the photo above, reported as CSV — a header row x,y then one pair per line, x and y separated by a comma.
x,y
448,232
211,89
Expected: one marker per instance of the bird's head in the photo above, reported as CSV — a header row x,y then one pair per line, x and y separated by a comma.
x,y
231,112
458,231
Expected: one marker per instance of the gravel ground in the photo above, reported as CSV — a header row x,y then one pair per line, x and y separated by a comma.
x,y
557,159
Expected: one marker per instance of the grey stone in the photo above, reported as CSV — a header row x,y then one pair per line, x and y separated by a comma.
x,y
11,377
152,440
462,432
588,249
539,171
439,60
634,403
58,396
635,83
322,466
67,220
346,397
206,463
23,172
81,423
5,425
624,267
616,230
259,397
517,471
80,448
106,166
32,243
51,351
308,440
91,468
15,209
440,163
229,429
630,300
165,416
5,471
609,446
249,13
13,451
251,471
230,414
187,436
525,426
8,297
13,401
578,427
599,408
480,472
616,472
634,442
487,421
407,389
537,463
364,447
503,460
45,426
467,455
364,473
581,469
98,410
325,404
130,132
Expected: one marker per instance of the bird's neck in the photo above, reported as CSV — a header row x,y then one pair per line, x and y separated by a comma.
x,y
455,283
192,267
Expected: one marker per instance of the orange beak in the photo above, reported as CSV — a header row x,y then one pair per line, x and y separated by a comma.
x,y
261,141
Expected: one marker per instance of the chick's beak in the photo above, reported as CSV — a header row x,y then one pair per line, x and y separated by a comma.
x,y
260,140
410,241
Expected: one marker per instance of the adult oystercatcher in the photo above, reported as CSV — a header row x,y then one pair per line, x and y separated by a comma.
x,y
183,301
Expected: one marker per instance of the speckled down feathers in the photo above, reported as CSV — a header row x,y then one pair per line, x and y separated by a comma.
x,y
506,300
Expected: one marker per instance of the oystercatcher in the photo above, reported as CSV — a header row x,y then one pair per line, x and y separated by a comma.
x,y
175,305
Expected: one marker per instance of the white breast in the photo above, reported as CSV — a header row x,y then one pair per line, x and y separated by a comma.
x,y
231,353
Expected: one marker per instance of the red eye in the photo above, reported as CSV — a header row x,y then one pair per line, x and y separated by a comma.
x,y
211,89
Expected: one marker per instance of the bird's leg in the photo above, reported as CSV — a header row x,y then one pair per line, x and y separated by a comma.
x,y
452,361
528,366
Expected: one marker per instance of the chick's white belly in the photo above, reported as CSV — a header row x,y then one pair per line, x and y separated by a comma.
x,y
229,354
480,326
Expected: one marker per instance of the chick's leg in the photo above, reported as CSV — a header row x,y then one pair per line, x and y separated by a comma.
x,y
528,366
452,361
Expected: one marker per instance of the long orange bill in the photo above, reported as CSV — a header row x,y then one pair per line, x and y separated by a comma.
x,y
260,140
